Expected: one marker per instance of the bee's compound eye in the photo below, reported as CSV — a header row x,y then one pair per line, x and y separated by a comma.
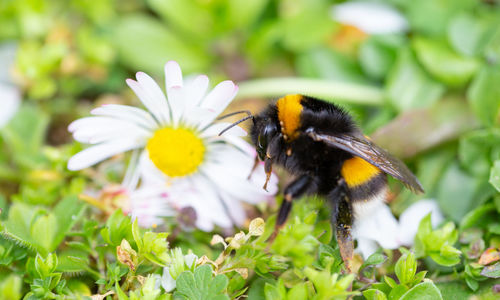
x,y
261,146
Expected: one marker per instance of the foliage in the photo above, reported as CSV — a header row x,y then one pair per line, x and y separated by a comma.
x,y
428,94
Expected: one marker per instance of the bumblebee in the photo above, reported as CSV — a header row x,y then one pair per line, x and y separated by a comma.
x,y
320,144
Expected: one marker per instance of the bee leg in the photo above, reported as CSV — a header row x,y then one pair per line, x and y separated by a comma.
x,y
255,165
268,168
298,187
343,218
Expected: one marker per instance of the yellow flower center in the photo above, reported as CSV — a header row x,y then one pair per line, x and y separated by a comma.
x,y
176,151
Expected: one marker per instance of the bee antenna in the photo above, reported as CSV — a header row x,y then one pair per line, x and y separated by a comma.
x,y
236,123
234,113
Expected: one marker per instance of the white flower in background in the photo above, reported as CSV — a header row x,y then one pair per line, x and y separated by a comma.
x,y
380,228
177,147
149,205
10,95
179,264
370,17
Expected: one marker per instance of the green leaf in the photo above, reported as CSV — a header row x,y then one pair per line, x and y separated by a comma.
x,y
495,175
243,13
118,227
306,25
477,150
201,285
406,267
146,44
323,230
298,291
18,226
469,35
447,261
377,55
492,271
67,212
484,94
398,291
409,87
25,134
272,292
201,23
373,294
425,291
327,64
11,287
443,63
482,216
456,192
374,259
431,17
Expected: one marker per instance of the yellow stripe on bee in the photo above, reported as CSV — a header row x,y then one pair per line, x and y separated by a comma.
x,y
289,110
357,171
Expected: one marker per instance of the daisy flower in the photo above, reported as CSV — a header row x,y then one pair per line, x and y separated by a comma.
x,y
370,17
176,146
380,227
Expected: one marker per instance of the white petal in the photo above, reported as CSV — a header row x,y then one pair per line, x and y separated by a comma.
x,y
196,89
99,129
199,117
220,97
155,93
207,203
10,99
411,217
240,144
374,18
167,282
380,226
154,106
97,153
149,172
97,122
133,173
366,247
230,172
128,113
177,103
173,75
234,208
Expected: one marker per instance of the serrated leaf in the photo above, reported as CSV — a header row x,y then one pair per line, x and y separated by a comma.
x,y
201,285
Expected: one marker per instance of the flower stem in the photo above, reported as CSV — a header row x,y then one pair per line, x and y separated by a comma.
x,y
330,90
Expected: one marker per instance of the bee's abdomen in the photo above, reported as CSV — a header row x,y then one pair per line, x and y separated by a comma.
x,y
369,189
364,180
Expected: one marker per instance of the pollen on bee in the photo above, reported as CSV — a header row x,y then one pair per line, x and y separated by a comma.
x,y
289,151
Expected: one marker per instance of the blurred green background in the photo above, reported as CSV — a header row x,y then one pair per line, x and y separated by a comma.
x,y
429,92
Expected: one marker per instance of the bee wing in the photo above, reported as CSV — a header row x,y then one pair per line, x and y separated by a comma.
x,y
362,147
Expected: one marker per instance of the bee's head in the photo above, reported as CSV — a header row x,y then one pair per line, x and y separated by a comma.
x,y
262,133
